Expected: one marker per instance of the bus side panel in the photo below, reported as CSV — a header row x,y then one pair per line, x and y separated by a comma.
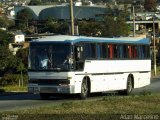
x,y
108,83
99,83
141,79
113,74
78,82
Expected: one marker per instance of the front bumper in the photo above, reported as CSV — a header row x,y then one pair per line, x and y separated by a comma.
x,y
36,89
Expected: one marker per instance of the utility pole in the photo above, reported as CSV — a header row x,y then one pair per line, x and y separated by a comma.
x,y
154,48
133,22
72,17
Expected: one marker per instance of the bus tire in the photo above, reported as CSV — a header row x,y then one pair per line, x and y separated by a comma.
x,y
129,88
84,89
44,96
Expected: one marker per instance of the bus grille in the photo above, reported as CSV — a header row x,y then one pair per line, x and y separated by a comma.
x,y
49,81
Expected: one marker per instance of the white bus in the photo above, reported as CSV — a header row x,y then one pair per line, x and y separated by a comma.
x,y
82,65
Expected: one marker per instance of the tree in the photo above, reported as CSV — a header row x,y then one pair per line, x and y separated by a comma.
x,y
89,28
11,68
5,37
23,17
22,54
109,27
8,61
5,22
52,25
35,2
55,26
150,5
114,27
121,27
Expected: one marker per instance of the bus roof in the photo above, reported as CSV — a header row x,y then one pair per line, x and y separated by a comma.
x,y
76,39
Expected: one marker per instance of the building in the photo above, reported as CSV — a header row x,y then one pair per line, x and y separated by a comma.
x,y
62,12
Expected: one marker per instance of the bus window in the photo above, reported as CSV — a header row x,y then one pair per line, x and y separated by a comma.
x,y
99,51
146,51
121,53
135,52
78,53
130,51
79,59
111,53
125,51
141,52
87,50
93,51
104,51
116,51
90,50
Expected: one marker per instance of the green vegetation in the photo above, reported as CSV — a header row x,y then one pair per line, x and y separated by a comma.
x,y
13,88
54,26
12,68
115,26
111,26
23,17
35,2
5,37
13,79
89,28
106,107
6,23
158,71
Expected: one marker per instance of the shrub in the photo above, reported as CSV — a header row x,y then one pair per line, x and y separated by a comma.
x,y
13,79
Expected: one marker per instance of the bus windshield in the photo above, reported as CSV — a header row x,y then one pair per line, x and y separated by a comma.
x,y
50,56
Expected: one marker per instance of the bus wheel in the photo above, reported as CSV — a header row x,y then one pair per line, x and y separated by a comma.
x,y
129,89
44,96
84,89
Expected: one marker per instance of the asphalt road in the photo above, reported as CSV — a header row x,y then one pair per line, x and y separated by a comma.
x,y
26,101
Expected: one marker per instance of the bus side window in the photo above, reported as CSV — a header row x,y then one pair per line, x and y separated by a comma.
x,y
135,52
121,53
90,50
110,48
93,50
130,51
116,51
87,51
78,54
141,52
146,51
79,59
125,51
104,51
